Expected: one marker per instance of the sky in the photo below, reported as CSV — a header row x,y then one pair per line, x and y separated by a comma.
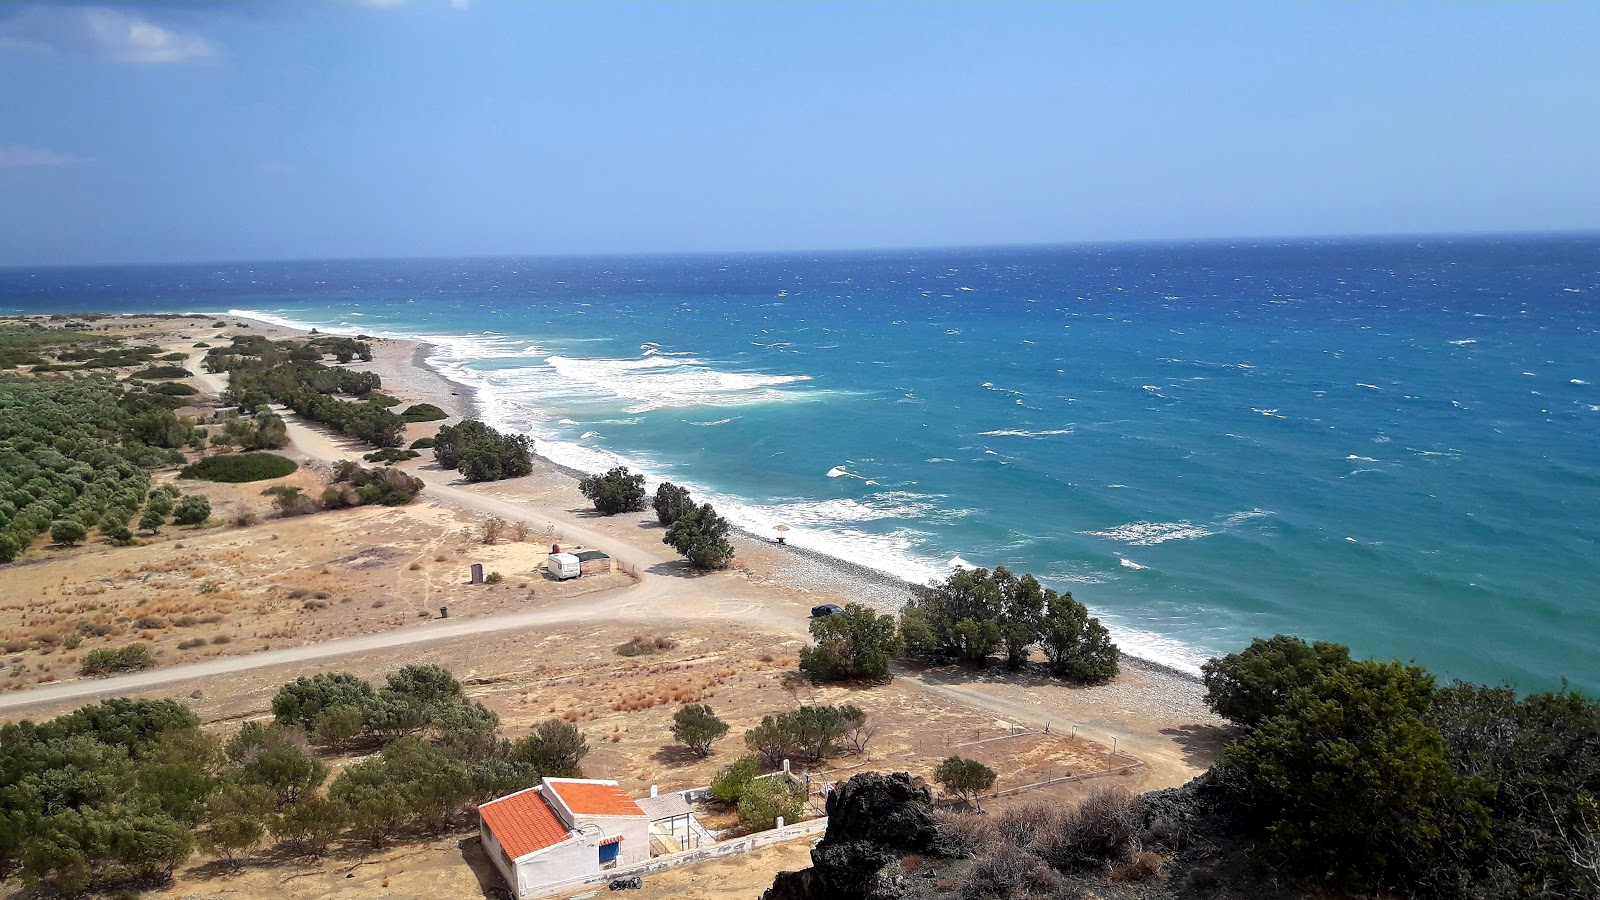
x,y
193,131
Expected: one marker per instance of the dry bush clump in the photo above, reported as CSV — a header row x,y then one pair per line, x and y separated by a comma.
x,y
1005,871
1102,830
966,833
1141,866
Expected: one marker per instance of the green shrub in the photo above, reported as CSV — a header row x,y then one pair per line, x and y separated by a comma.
x,y
697,727
161,372
730,784
239,467
192,510
617,491
671,503
422,443
855,644
766,799
701,535
112,660
390,455
68,532
423,412
966,778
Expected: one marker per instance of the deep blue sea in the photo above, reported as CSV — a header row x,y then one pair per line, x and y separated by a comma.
x,y
1390,443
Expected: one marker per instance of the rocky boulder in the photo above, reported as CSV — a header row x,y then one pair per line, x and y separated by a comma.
x,y
873,820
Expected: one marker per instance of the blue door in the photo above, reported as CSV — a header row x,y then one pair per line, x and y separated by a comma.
x,y
608,852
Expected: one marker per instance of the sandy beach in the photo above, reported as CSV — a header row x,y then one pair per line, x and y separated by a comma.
x,y
233,611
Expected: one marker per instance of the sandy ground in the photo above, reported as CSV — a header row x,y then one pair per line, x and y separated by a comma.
x,y
530,649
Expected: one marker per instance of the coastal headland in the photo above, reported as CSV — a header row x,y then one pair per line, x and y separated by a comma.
x,y
236,608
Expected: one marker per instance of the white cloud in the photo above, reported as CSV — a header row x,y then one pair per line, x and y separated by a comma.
x,y
103,32
16,156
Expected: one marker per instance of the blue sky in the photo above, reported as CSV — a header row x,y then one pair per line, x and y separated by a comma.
x,y
187,131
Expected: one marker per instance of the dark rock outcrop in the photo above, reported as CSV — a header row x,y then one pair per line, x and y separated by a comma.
x,y
873,820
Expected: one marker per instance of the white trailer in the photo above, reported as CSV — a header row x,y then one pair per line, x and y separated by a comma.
x,y
562,566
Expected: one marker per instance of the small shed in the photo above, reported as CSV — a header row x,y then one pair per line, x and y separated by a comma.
x,y
592,562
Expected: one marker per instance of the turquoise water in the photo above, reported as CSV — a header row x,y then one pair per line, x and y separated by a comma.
x,y
1394,444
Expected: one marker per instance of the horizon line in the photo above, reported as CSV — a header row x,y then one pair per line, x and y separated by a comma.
x,y
837,251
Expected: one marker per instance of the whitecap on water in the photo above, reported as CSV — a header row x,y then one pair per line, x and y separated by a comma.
x,y
1148,534
1015,432
1127,563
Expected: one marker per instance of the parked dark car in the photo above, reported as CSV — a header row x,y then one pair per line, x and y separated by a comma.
x,y
826,609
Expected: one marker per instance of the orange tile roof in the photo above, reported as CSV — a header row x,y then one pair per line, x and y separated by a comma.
x,y
588,798
523,823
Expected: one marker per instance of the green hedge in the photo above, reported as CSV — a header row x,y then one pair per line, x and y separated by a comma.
x,y
239,467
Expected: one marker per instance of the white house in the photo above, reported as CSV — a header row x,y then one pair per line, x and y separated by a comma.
x,y
564,828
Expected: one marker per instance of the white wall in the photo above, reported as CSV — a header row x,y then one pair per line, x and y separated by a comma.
x,y
635,831
572,858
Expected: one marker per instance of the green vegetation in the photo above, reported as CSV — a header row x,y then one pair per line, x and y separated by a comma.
x,y
391,455
730,784
194,509
976,613
120,793
77,451
423,412
422,443
810,733
617,491
671,502
354,485
290,373
857,644
236,468
115,660
966,778
162,372
765,800
697,727
702,537
480,453
263,431
382,400
1369,774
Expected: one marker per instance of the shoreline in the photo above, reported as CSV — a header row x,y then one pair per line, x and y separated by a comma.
x,y
799,567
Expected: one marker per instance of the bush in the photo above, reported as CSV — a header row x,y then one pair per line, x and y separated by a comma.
x,y
702,537
765,799
697,727
809,732
1251,686
423,412
730,784
1349,778
671,502
554,750
617,491
966,778
855,644
1076,644
68,532
194,509
390,455
493,578
174,389
481,453
301,701
161,372
111,661
422,443
239,467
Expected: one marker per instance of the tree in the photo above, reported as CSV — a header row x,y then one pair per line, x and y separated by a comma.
x,y
192,510
302,700
764,800
275,757
617,491
1022,607
68,532
773,740
696,726
1251,686
730,783
857,643
671,502
958,617
966,778
481,453
310,824
1076,644
152,520
376,806
426,683
702,537
236,819
1349,781
338,725
555,749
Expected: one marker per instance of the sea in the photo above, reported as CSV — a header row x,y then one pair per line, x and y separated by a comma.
x,y
1390,443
